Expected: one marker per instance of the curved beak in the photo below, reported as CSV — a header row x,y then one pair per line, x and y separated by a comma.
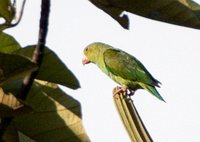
x,y
85,60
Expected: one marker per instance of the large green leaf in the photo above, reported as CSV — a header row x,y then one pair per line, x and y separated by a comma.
x,y
56,116
13,67
7,43
7,12
179,12
52,68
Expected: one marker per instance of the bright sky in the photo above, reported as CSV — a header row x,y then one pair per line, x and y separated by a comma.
x,y
171,53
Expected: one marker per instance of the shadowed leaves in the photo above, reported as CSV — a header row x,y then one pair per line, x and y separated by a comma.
x,y
11,106
13,67
52,68
178,12
56,116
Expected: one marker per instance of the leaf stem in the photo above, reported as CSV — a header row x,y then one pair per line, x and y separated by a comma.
x,y
131,118
20,14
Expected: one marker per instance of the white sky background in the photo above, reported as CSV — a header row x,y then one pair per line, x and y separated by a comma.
x,y
171,54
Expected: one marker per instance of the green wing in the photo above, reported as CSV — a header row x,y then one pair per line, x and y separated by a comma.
x,y
128,67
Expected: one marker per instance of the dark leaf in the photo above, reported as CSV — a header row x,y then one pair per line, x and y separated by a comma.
x,y
7,12
11,106
178,12
56,116
52,68
7,43
13,67
11,134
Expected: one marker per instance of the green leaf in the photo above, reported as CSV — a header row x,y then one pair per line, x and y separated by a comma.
x,y
13,67
52,68
7,43
178,12
7,12
56,116
11,106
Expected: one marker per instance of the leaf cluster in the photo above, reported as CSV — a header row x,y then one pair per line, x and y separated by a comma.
x,y
179,12
48,113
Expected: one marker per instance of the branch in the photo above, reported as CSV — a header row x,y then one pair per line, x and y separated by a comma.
x,y
20,15
37,58
131,118
39,50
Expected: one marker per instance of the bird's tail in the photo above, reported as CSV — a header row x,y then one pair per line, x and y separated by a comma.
x,y
153,91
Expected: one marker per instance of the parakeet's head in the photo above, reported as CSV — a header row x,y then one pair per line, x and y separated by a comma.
x,y
93,52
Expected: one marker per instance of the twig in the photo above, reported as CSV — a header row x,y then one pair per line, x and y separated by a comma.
x,y
20,15
39,50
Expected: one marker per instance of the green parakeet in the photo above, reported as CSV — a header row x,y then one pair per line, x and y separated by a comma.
x,y
121,67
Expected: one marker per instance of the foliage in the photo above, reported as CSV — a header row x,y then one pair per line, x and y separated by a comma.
x,y
57,71
56,116
47,113
179,12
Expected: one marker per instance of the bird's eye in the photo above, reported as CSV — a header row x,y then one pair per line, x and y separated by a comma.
x,y
86,49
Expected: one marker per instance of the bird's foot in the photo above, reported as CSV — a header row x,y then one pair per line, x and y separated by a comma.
x,y
118,90
124,91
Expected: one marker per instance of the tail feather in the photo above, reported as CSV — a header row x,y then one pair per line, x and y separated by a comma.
x,y
153,91
156,83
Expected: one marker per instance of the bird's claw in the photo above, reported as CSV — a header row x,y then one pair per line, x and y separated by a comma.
x,y
118,90
124,91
